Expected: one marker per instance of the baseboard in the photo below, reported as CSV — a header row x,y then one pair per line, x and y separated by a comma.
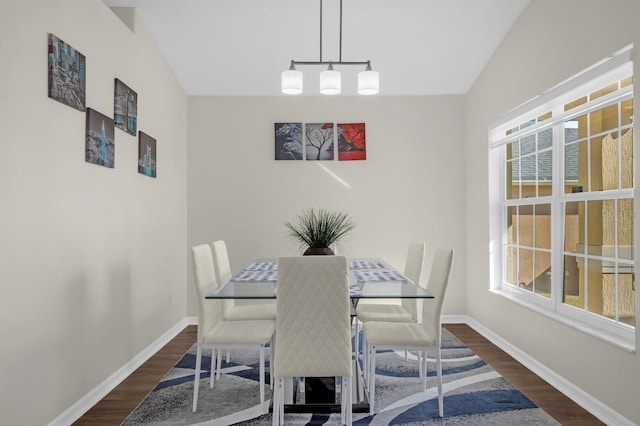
x,y
580,397
455,319
74,412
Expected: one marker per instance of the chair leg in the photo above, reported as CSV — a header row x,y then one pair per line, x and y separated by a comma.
x,y
276,405
212,368
439,374
372,377
423,366
348,395
365,360
261,375
356,341
196,380
219,364
271,363
228,355
343,400
281,403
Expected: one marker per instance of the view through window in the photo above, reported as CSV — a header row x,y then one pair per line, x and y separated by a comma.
x,y
566,224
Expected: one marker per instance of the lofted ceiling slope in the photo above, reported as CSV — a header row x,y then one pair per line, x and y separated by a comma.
x,y
240,47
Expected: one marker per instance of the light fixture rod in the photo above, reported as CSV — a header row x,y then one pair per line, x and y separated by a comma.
x,y
340,51
323,62
330,62
320,31
340,35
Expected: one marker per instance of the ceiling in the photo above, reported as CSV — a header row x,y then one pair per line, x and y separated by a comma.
x,y
241,47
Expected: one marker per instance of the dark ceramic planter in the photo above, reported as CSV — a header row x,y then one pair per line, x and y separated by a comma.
x,y
318,251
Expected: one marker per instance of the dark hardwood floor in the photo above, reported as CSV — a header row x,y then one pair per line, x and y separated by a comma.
x,y
116,406
556,404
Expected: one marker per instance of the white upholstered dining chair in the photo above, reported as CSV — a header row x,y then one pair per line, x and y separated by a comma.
x,y
413,336
216,333
222,268
313,323
406,311
233,312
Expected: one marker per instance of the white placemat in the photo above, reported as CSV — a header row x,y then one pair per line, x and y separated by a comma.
x,y
365,264
379,275
256,276
354,291
263,266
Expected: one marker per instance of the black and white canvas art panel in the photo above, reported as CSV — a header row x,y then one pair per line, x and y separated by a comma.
x,y
100,148
319,141
288,141
146,155
67,74
125,108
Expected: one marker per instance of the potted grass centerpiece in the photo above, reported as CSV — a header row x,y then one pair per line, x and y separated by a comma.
x,y
318,231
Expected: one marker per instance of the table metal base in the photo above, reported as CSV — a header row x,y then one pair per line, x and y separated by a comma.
x,y
322,395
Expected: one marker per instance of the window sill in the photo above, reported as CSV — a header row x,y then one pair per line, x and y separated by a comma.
x,y
617,341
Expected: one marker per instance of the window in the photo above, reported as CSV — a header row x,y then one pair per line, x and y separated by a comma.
x,y
562,200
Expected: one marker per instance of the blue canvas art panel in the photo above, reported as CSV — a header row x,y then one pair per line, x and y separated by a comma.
x,y
147,164
125,108
100,147
67,74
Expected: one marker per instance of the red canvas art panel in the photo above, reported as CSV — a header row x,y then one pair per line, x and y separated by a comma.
x,y
351,142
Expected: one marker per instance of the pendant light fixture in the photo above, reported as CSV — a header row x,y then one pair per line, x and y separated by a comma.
x,y
292,81
368,81
330,83
330,79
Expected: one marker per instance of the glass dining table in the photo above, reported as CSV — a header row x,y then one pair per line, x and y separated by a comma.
x,y
369,278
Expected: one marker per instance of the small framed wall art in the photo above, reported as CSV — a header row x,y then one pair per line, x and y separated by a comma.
x,y
352,142
288,141
67,74
146,155
125,108
319,141
100,147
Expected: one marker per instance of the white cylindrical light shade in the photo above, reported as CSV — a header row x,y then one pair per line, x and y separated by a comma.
x,y
330,82
368,82
292,82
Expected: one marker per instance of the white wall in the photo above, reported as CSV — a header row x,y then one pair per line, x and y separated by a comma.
x,y
92,260
550,41
411,185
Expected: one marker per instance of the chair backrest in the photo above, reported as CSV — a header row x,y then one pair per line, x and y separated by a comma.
x,y
221,262
222,267
413,270
313,320
438,281
209,310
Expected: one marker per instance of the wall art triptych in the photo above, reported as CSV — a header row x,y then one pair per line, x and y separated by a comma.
x,y
317,141
67,84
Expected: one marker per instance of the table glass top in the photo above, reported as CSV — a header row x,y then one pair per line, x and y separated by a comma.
x,y
369,279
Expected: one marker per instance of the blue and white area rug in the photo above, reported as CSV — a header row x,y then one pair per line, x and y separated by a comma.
x,y
475,394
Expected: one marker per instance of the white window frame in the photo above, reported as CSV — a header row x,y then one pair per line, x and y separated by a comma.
x,y
600,75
